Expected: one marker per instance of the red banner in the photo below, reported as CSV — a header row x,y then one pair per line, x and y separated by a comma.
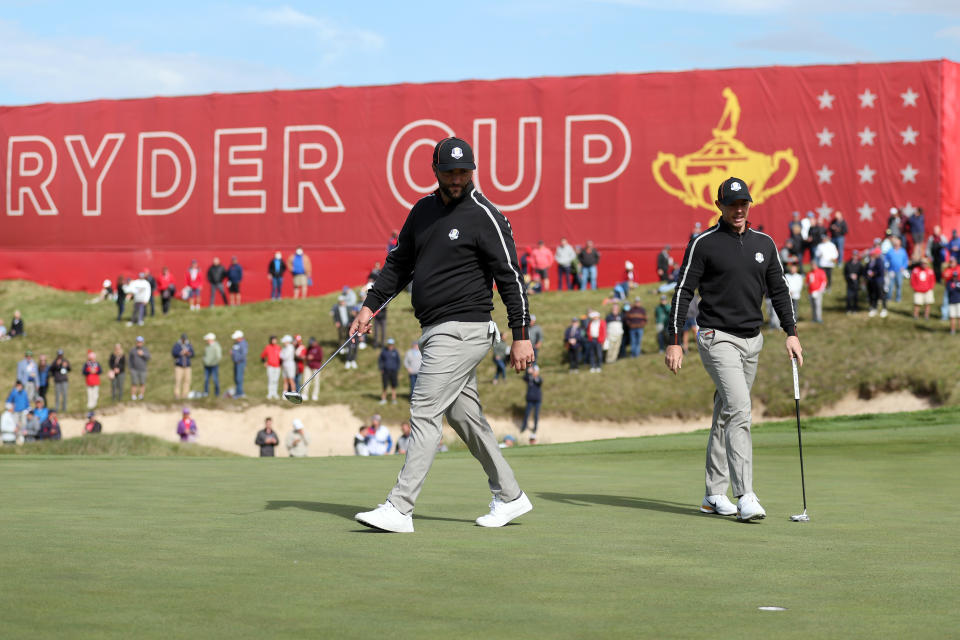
x,y
628,161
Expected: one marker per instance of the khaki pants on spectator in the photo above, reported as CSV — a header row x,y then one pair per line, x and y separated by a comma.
x,y
93,396
181,381
314,384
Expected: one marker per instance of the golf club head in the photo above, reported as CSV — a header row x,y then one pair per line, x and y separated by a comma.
x,y
803,517
293,396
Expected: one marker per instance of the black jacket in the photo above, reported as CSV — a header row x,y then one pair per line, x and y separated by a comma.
x,y
454,253
733,273
215,274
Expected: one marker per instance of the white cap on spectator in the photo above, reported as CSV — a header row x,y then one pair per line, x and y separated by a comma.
x,y
297,424
210,336
236,335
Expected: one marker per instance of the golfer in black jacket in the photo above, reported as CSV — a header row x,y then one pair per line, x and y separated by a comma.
x,y
455,245
733,266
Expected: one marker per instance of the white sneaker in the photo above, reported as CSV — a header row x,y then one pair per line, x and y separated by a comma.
x,y
383,401
748,508
883,313
719,504
386,518
503,512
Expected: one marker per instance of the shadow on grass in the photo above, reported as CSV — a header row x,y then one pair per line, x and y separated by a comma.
x,y
587,499
346,511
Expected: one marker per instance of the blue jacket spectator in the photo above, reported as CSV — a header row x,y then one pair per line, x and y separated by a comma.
x,y
389,360
182,352
18,398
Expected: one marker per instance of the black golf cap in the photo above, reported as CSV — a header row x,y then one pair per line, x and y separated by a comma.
x,y
453,153
731,190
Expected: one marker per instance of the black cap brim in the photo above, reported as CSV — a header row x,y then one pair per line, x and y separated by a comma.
x,y
450,166
730,200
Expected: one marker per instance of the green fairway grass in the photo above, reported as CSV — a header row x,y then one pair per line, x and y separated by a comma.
x,y
103,547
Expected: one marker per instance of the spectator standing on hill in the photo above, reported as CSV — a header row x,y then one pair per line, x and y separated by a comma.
x,y
838,233
139,292
216,274
665,264
275,270
297,440
267,439
816,286
270,357
732,267
314,360
573,344
138,359
379,324
288,362
18,329
187,427
936,245
951,282
917,227
122,294
922,281
234,278
9,426
31,426
596,335
564,256
897,262
40,410
853,271
238,354
27,373
589,259
660,315
153,289
168,289
875,274
117,372
299,359
299,265
953,247
92,425
91,374
182,353
61,381
412,360
635,319
534,399
614,324
389,365
43,376
826,258
20,400
342,317
50,428
794,285
212,355
542,261
501,352
194,284
536,337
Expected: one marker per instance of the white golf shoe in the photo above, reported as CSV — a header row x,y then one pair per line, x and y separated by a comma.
x,y
719,504
386,518
503,512
748,508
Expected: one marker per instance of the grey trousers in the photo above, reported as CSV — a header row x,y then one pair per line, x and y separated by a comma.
x,y
732,364
447,385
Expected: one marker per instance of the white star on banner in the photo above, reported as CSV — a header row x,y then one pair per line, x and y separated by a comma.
x,y
866,212
909,173
866,174
866,136
866,99
825,137
824,210
909,97
826,100
908,209
909,135
824,174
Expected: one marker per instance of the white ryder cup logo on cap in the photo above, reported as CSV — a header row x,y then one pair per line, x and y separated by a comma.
x,y
735,186
454,234
456,153
758,257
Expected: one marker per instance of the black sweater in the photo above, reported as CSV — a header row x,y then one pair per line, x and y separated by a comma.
x,y
733,272
454,253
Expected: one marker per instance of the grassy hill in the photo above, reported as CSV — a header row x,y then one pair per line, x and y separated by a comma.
x,y
116,445
845,354
614,548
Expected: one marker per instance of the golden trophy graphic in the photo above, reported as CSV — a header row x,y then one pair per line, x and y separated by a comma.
x,y
699,174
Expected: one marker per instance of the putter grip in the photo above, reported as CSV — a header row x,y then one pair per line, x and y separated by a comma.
x,y
796,380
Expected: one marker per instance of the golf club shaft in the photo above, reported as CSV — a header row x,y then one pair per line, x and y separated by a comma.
x,y
796,400
349,340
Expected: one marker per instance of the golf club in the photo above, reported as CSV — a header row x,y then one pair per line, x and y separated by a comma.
x,y
296,397
803,517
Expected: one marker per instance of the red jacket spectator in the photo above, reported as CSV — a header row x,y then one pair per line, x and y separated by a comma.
x,y
271,355
816,280
91,372
922,278
541,258
164,281
194,278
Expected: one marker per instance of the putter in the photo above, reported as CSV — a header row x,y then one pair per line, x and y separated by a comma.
x,y
803,517
296,397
